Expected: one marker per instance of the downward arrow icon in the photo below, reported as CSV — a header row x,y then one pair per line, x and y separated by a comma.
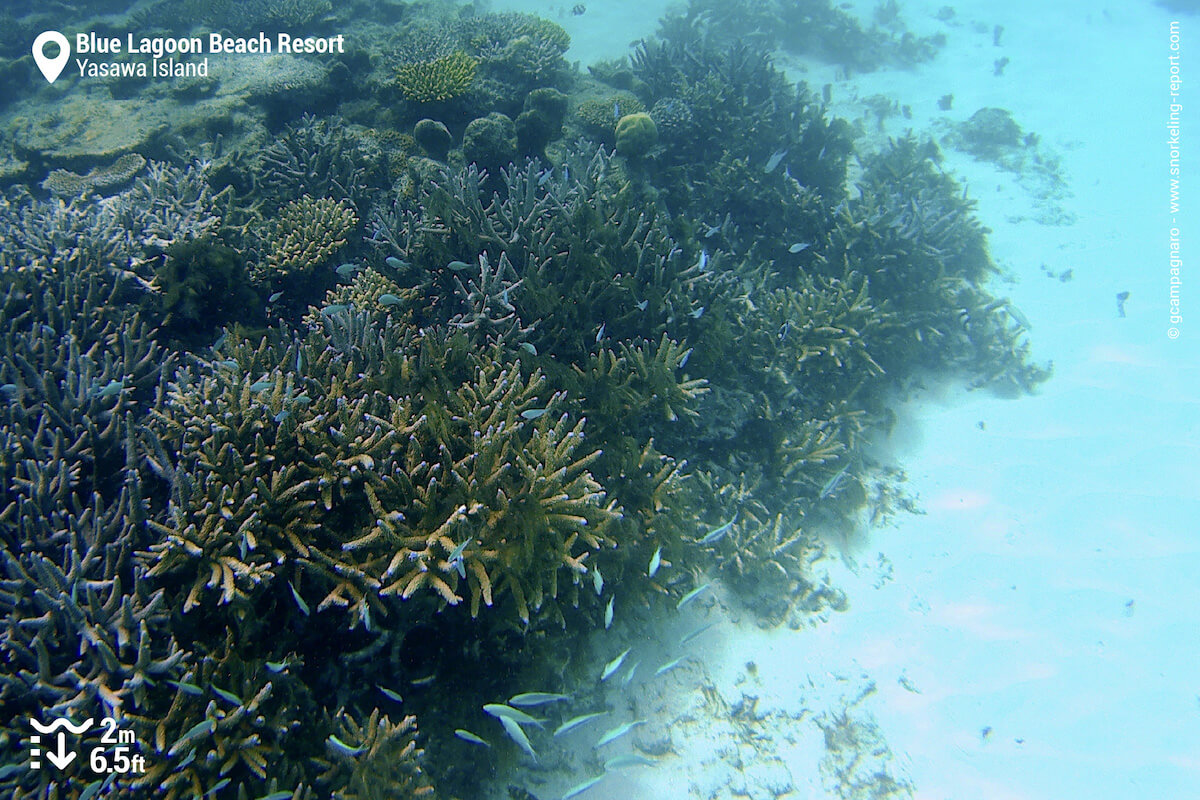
x,y
62,758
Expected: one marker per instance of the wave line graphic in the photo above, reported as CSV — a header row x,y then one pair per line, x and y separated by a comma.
x,y
61,723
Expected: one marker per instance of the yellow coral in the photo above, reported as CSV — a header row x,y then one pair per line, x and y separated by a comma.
x,y
306,234
441,79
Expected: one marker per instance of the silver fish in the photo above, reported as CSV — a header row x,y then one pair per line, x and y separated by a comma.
x,y
575,722
458,265
299,600
533,413
655,562
261,386
833,483
608,614
716,533
341,747
580,788
667,667
690,596
517,735
798,247
642,305
628,760
390,694
774,160
389,299
274,297
501,711
703,259
467,736
396,263
530,699
617,732
614,665
529,348
600,333
597,581
346,270
227,696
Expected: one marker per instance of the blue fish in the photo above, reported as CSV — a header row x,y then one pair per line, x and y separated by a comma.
x,y
717,533
579,789
346,270
467,736
517,735
690,596
774,160
274,297
396,263
798,247
389,299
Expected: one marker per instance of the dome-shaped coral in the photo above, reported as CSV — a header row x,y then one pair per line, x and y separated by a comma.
x,y
636,134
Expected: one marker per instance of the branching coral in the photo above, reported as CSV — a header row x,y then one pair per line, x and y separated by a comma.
x,y
439,80
305,235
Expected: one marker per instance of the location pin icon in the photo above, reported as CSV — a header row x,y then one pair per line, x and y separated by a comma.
x,y
51,67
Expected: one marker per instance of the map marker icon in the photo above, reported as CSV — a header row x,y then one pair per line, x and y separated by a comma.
x,y
51,67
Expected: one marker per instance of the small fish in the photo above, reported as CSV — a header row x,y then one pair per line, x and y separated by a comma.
x,y
667,667
580,788
346,270
616,111
261,386
655,562
628,760
227,696
784,330
687,638
716,533
389,299
608,613
712,231
458,266
515,733
545,176
425,681
529,348
341,747
798,247
299,600
282,415
336,308
642,305
202,728
396,263
390,694
687,354
566,174
457,553
530,699
228,363
187,688
301,399
699,312
221,784
703,259
282,794
467,736
275,296
617,732
575,722
773,161
628,679
690,596
600,333
501,711
832,484
111,388
533,413
597,581
276,666
614,665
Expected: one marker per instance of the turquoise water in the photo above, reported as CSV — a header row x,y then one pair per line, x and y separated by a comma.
x,y
329,430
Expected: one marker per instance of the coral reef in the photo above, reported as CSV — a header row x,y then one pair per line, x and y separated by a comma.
x,y
306,234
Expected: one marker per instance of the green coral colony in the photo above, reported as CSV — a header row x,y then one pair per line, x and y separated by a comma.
x,y
318,445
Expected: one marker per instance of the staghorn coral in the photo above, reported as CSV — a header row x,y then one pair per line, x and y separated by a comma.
x,y
438,80
306,235
373,760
